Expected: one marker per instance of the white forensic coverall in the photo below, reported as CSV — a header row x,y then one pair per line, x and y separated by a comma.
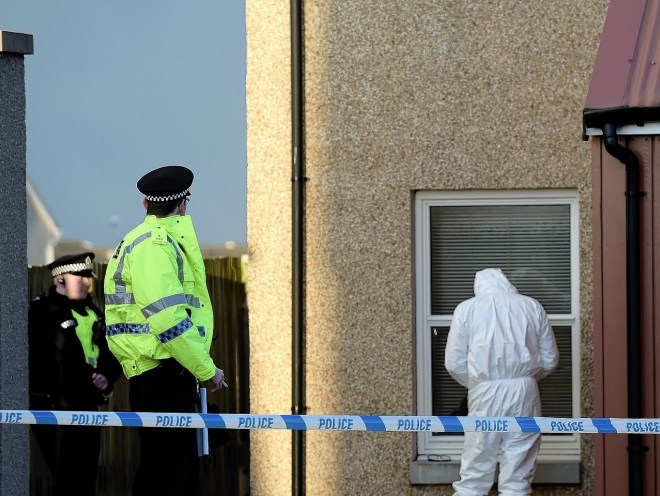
x,y
500,343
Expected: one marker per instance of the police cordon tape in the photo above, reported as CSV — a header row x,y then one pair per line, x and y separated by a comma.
x,y
544,425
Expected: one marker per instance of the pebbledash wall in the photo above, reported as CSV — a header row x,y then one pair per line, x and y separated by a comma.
x,y
400,98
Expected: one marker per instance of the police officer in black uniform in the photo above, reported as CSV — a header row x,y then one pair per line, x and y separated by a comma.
x,y
71,368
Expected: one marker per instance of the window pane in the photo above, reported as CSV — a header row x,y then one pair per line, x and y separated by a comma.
x,y
530,243
556,391
449,397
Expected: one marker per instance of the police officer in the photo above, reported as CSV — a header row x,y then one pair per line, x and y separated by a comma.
x,y
160,326
71,368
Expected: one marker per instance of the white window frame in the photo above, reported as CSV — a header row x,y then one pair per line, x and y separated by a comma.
x,y
560,453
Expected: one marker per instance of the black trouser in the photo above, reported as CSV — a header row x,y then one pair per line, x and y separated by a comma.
x,y
72,455
168,456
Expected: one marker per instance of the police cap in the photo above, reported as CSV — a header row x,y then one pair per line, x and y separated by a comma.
x,y
166,183
79,264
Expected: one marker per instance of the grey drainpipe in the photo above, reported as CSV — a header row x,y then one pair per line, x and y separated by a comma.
x,y
633,304
297,248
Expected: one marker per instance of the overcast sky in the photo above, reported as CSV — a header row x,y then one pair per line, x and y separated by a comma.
x,y
116,88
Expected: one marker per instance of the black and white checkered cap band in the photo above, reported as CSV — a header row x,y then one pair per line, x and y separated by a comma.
x,y
167,198
74,267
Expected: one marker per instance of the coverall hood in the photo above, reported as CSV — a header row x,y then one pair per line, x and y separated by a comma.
x,y
492,281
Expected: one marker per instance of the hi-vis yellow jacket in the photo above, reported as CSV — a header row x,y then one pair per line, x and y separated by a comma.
x,y
157,305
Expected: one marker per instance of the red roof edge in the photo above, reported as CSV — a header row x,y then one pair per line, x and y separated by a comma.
x,y
625,83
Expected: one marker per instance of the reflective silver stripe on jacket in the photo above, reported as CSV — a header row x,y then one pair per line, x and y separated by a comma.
x,y
192,300
179,257
120,285
163,303
154,308
119,299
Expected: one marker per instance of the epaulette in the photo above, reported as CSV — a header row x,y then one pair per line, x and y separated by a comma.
x,y
118,249
68,323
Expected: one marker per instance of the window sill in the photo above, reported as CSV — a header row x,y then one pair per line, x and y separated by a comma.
x,y
425,472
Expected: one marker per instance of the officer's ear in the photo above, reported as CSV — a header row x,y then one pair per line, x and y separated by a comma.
x,y
145,204
181,207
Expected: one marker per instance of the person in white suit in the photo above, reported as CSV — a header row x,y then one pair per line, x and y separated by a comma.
x,y
500,344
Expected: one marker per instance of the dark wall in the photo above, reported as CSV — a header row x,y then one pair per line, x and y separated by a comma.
x,y
13,245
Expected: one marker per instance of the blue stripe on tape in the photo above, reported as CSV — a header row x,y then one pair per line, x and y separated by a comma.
x,y
213,420
130,419
373,423
604,425
294,422
451,424
528,424
45,418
